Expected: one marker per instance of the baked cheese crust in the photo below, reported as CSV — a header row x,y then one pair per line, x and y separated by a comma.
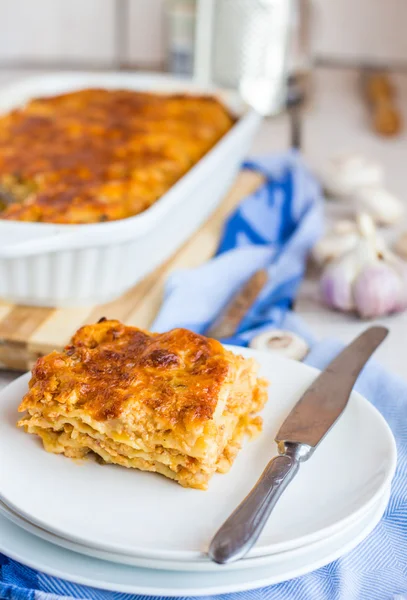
x,y
99,155
176,403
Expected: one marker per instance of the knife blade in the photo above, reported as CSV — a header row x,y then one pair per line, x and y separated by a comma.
x,y
302,431
324,401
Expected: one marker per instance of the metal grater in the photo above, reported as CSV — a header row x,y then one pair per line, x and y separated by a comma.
x,y
243,44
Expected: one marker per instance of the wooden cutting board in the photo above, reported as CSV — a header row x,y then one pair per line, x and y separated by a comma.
x,y
27,332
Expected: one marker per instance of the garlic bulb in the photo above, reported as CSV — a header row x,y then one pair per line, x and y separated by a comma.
x,y
359,181
281,342
384,207
346,174
369,279
343,236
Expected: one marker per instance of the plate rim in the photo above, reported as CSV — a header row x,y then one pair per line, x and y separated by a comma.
x,y
131,588
381,503
185,555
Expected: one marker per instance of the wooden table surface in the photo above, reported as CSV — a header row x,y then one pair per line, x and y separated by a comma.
x,y
335,121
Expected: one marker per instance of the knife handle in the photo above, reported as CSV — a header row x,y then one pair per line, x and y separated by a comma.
x,y
244,526
229,320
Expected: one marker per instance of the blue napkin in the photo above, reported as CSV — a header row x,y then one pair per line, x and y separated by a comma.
x,y
274,229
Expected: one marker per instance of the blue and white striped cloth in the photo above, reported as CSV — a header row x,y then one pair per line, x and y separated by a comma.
x,y
274,228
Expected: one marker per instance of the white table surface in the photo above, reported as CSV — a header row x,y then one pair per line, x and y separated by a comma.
x,y
336,121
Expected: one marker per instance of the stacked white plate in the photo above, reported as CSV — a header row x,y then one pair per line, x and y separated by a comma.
x,y
136,532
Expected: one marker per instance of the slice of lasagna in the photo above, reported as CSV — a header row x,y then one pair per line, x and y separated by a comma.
x,y
175,403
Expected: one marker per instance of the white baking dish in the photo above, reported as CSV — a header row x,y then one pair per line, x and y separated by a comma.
x,y
66,265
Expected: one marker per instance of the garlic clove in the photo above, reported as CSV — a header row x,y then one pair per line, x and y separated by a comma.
x,y
347,173
285,343
344,236
337,279
384,207
340,239
336,286
378,290
366,226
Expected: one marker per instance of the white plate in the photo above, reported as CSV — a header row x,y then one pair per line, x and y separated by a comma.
x,y
143,514
38,554
172,565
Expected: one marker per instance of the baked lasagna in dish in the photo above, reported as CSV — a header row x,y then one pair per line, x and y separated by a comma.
x,y
175,403
98,155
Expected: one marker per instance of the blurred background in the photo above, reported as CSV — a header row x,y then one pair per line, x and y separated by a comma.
x,y
157,34
256,46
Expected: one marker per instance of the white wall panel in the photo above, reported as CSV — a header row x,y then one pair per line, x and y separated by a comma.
x,y
85,31
145,34
57,30
356,30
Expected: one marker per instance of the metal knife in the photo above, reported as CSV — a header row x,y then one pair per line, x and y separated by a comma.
x,y
302,431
